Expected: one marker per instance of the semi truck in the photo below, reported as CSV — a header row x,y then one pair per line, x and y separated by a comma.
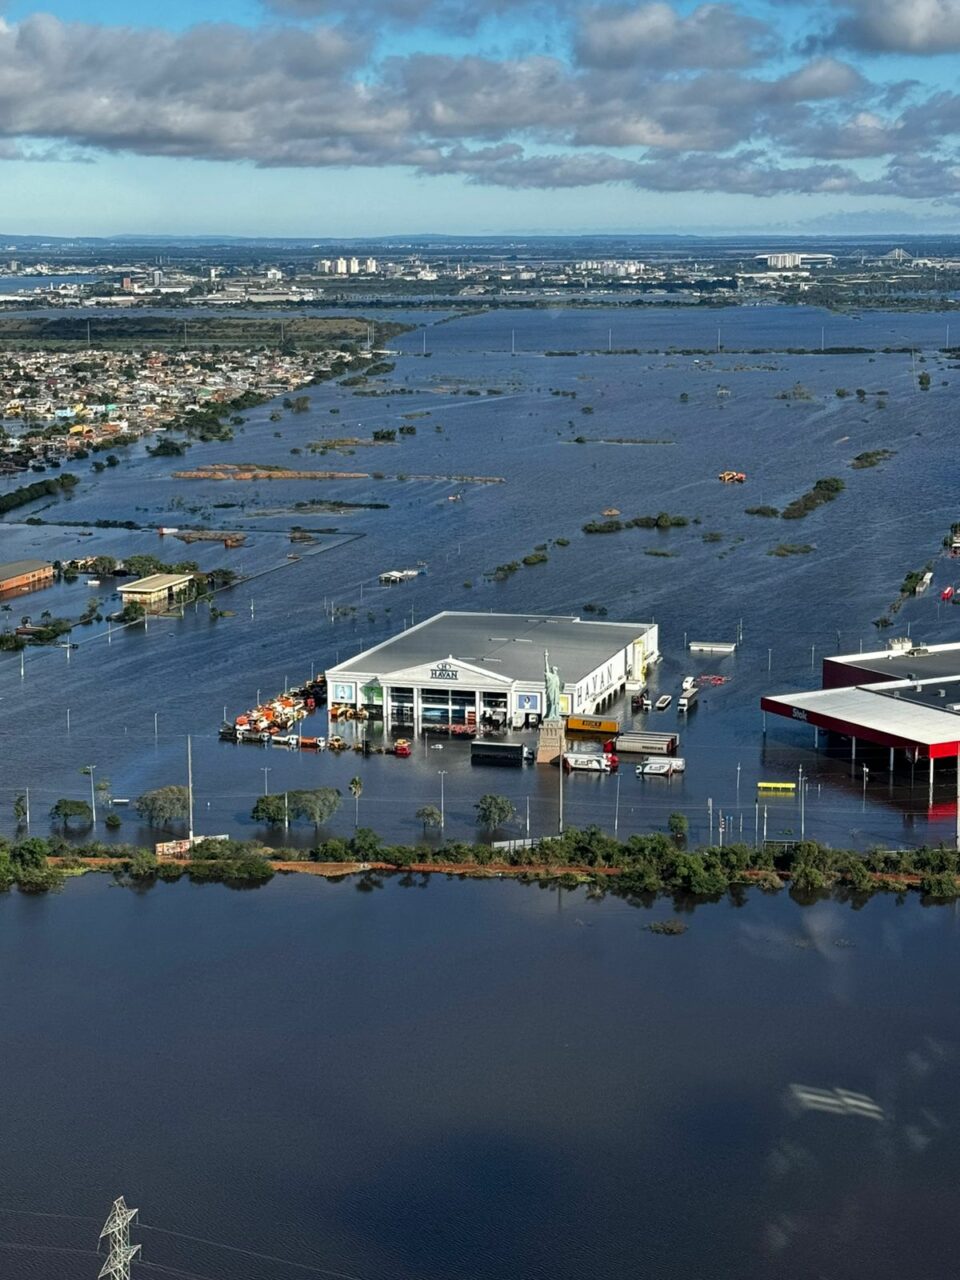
x,y
507,753
646,744
688,698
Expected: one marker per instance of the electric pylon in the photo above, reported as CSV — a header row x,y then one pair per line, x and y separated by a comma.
x,y
122,1252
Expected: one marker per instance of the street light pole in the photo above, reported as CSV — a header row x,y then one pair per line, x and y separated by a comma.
x,y
93,794
266,784
802,813
443,817
616,810
560,821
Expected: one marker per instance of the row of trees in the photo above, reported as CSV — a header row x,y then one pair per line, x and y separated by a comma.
x,y
644,866
39,489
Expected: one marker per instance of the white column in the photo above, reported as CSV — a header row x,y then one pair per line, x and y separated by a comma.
x,y
931,782
386,707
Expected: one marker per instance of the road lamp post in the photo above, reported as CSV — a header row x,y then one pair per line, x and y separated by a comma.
x,y
443,819
266,781
93,793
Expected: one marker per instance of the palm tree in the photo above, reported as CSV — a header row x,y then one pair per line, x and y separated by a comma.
x,y
356,790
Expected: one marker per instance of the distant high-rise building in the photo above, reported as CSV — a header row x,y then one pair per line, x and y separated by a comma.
x,y
156,278
370,266
324,267
353,266
340,267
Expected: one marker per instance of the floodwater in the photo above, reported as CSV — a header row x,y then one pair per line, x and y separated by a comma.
x,y
133,697
465,1079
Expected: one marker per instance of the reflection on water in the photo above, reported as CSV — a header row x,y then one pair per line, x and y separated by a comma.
x,y
478,1079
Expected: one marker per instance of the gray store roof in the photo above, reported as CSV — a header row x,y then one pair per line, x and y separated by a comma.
x,y
925,662
510,644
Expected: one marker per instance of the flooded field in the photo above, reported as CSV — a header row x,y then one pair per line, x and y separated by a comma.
x,y
570,435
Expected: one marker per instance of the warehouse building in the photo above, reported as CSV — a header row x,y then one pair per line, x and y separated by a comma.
x,y
158,592
463,670
25,575
905,698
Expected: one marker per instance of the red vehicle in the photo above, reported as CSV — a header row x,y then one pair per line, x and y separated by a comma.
x,y
401,747
946,593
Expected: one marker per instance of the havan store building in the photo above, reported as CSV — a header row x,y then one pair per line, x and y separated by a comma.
x,y
467,670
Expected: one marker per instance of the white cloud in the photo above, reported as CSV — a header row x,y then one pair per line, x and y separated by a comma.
x,y
898,26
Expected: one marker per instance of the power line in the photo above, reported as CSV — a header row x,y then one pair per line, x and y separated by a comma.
x,y
252,1253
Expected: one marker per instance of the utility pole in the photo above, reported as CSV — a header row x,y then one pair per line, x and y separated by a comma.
x,y
266,785
116,1229
616,811
443,816
93,794
189,788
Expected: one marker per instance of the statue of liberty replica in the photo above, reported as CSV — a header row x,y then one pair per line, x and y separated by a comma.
x,y
552,742
551,680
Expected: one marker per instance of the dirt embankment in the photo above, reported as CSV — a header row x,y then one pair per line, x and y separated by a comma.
x,y
253,471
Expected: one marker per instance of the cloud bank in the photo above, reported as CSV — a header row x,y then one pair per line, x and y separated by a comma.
x,y
647,95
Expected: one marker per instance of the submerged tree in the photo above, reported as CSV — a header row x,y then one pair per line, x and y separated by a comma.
x,y
430,816
493,811
317,806
164,805
66,810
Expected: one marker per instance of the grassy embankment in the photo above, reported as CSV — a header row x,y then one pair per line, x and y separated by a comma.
x,y
639,868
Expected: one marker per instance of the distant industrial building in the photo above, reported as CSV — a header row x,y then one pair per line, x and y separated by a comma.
x,y
25,575
158,592
905,698
470,669
794,261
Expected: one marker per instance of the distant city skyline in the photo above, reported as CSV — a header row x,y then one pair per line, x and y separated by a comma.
x,y
314,118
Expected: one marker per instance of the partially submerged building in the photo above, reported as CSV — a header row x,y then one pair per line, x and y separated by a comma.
x,y
905,698
25,575
470,669
158,592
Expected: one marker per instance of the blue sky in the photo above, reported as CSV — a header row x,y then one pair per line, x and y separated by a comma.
x,y
328,118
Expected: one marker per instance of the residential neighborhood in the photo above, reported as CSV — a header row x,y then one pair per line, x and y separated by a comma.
x,y
56,405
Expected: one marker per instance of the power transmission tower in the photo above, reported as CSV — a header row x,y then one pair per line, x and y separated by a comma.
x,y
122,1252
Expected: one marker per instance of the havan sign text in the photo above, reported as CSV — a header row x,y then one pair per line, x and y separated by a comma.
x,y
444,672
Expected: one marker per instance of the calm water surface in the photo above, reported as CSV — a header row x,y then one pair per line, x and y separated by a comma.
x,y
477,1080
